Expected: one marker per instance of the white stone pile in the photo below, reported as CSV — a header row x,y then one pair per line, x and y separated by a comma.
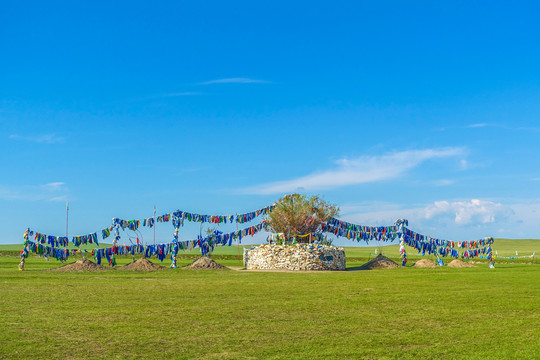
x,y
294,257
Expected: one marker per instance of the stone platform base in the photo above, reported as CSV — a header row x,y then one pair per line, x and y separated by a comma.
x,y
294,257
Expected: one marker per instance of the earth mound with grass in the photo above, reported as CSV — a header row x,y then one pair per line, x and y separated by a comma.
x,y
142,265
459,264
380,262
81,265
205,263
425,263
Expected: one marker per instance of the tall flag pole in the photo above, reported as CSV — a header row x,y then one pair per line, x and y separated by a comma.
x,y
154,224
237,239
67,217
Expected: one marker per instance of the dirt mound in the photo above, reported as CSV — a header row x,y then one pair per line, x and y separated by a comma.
x,y
141,265
205,263
459,264
380,262
81,265
425,263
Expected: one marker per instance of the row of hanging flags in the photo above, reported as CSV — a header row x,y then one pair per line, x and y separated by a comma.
x,y
54,246
62,241
194,217
423,243
433,246
360,233
160,251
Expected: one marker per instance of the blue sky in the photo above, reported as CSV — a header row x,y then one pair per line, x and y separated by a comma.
x,y
418,110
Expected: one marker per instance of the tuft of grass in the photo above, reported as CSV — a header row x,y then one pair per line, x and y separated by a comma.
x,y
405,313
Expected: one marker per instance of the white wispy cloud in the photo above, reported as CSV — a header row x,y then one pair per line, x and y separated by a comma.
x,y
477,125
54,191
161,96
234,81
40,139
471,212
183,172
380,214
170,95
505,127
364,169
454,219
187,93
444,182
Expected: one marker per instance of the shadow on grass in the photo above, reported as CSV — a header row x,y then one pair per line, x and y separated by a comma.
x,y
355,268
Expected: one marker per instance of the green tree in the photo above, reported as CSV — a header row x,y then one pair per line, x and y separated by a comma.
x,y
299,215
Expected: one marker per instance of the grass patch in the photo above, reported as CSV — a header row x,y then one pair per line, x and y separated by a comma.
x,y
405,313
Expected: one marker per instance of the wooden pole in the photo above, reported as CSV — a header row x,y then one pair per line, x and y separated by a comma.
x,y
67,217
237,238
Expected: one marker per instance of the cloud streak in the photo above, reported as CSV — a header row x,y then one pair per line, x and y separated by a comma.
x,y
187,93
453,219
465,213
234,81
55,191
364,169
444,182
504,127
171,95
40,139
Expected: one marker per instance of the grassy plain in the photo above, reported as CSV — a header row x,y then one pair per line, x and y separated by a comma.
x,y
405,313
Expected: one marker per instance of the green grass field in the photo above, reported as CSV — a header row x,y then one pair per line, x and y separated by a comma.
x,y
405,313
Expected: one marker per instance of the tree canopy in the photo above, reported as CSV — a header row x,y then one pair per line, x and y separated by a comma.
x,y
297,214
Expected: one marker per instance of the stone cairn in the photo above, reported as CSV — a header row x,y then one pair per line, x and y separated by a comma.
x,y
294,257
